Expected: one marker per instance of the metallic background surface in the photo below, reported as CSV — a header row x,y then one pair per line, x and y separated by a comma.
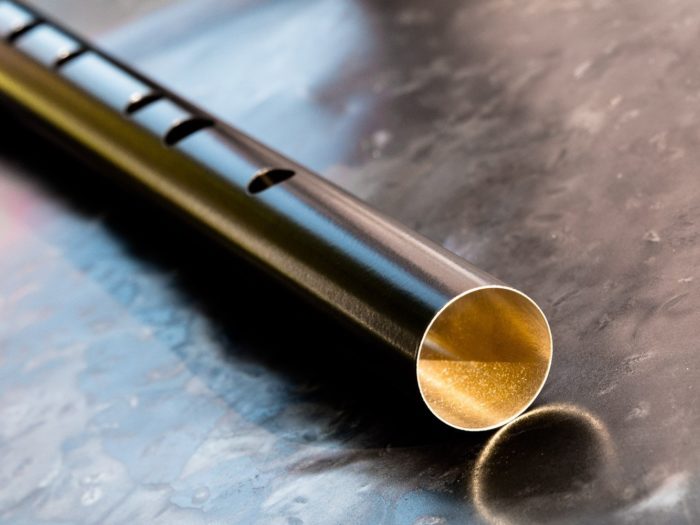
x,y
135,386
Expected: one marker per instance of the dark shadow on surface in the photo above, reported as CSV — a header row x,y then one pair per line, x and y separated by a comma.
x,y
555,463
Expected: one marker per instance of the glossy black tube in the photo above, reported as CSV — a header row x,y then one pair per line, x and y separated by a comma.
x,y
482,350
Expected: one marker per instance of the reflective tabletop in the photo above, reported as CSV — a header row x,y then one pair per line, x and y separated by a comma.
x,y
145,375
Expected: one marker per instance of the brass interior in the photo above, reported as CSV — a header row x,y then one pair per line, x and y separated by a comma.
x,y
484,358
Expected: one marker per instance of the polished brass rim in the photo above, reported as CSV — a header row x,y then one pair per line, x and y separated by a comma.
x,y
484,358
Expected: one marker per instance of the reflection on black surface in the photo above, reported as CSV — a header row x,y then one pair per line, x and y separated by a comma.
x,y
554,463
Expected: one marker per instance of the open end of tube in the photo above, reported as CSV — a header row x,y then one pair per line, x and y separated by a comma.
x,y
484,358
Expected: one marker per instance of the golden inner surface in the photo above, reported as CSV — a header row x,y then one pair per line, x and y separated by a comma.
x,y
484,358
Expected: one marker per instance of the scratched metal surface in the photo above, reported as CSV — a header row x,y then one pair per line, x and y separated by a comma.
x,y
147,377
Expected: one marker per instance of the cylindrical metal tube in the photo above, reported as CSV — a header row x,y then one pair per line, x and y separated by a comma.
x,y
482,349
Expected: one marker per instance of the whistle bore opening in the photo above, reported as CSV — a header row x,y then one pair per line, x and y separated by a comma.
x,y
484,358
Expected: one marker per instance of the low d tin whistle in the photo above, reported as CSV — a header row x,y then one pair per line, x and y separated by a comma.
x,y
482,350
